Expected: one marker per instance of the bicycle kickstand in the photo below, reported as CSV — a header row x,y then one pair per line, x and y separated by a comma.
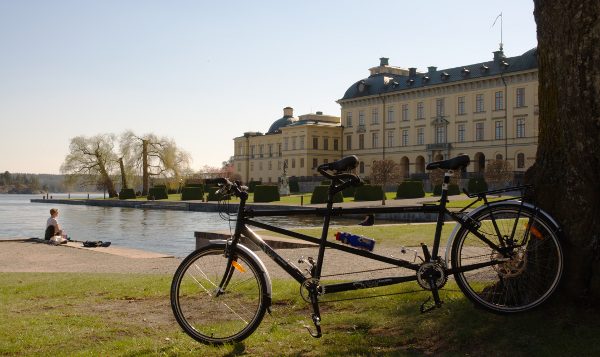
x,y
436,299
316,316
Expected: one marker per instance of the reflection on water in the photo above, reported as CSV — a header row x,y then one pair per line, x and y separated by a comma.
x,y
164,231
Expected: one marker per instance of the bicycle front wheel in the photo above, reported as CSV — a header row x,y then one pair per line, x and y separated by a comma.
x,y
216,313
517,283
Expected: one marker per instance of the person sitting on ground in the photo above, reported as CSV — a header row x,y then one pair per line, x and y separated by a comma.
x,y
52,226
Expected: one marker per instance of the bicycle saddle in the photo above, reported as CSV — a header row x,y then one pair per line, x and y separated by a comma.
x,y
345,164
450,164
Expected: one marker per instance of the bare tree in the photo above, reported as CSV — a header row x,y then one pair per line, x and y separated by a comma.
x,y
499,173
153,156
92,157
567,167
384,172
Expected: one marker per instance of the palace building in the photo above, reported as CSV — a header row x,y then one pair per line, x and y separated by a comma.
x,y
487,110
304,142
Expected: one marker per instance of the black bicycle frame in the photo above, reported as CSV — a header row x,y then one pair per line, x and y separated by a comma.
x,y
244,218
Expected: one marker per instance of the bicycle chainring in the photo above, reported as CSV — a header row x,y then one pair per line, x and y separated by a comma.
x,y
436,270
307,285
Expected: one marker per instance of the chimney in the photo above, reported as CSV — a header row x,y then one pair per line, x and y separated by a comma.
x,y
431,69
383,61
412,71
319,113
499,56
288,112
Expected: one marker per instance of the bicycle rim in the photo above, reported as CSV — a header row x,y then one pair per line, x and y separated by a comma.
x,y
520,283
212,315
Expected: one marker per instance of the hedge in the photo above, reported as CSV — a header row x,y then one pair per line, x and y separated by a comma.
x,y
126,193
294,186
264,193
192,193
320,194
452,190
252,185
158,193
349,191
410,189
368,193
476,185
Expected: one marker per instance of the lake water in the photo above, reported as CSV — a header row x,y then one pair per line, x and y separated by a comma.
x,y
163,231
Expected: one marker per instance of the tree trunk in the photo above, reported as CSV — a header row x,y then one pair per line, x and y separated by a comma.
x,y
108,183
567,169
145,174
123,176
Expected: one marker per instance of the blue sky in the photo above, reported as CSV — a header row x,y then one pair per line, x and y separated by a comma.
x,y
204,72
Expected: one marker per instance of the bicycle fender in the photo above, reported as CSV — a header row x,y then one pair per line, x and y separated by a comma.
x,y
481,208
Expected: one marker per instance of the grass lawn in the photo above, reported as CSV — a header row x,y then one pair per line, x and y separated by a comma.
x,y
74,314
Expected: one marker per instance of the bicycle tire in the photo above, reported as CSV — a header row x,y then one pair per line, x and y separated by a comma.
x,y
526,280
213,318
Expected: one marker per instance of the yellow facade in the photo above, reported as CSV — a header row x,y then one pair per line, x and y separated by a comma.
x,y
304,143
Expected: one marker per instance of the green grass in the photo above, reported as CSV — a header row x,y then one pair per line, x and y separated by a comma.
x,y
129,315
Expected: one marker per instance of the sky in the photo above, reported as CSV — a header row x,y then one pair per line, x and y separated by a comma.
x,y
204,72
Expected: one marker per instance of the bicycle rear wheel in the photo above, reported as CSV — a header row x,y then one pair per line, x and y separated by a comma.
x,y
519,283
214,315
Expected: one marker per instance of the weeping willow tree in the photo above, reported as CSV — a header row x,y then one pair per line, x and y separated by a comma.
x,y
567,166
92,158
153,156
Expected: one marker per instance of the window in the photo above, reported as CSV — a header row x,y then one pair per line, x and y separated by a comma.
x,y
405,137
325,143
349,120
461,133
520,97
390,139
278,165
261,149
499,132
375,116
239,166
315,163
361,167
479,131
252,151
335,145
293,163
498,156
349,142
439,107
285,143
270,165
270,150
293,143
520,127
260,166
440,134
251,166
302,162
420,136
325,161
405,112
361,141
499,100
375,140
520,161
479,103
461,105
420,111
361,118
315,143
279,149
390,117
302,142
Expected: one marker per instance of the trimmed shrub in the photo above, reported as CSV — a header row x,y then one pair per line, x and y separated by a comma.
x,y
192,193
320,195
325,182
294,186
212,193
410,189
252,185
477,184
158,193
126,194
349,191
368,193
264,193
452,190
195,185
